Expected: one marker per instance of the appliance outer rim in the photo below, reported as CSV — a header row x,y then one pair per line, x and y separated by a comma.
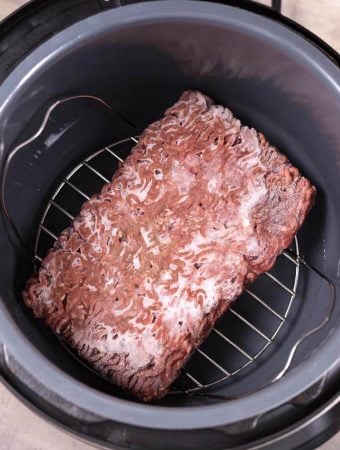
x,y
170,418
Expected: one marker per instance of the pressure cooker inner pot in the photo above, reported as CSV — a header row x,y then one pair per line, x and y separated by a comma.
x,y
140,67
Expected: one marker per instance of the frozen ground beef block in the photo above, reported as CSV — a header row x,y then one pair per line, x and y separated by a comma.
x,y
201,207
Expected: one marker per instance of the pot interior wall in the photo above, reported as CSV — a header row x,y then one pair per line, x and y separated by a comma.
x,y
141,69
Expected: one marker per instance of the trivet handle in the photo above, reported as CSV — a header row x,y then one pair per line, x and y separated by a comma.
x,y
315,329
12,153
295,347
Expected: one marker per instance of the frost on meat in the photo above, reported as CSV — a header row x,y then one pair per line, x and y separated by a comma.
x,y
200,208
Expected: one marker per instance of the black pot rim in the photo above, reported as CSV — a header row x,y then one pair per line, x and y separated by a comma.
x,y
102,404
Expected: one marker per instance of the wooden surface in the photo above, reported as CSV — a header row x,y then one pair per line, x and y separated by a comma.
x,y
20,429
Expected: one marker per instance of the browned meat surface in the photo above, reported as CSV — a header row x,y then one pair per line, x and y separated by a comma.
x,y
200,208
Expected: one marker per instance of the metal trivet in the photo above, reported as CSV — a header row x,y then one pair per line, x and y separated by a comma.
x,y
92,167
222,352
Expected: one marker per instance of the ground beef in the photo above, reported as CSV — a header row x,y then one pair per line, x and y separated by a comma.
x,y
200,208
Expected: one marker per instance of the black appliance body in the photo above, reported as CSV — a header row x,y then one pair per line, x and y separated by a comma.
x,y
60,60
